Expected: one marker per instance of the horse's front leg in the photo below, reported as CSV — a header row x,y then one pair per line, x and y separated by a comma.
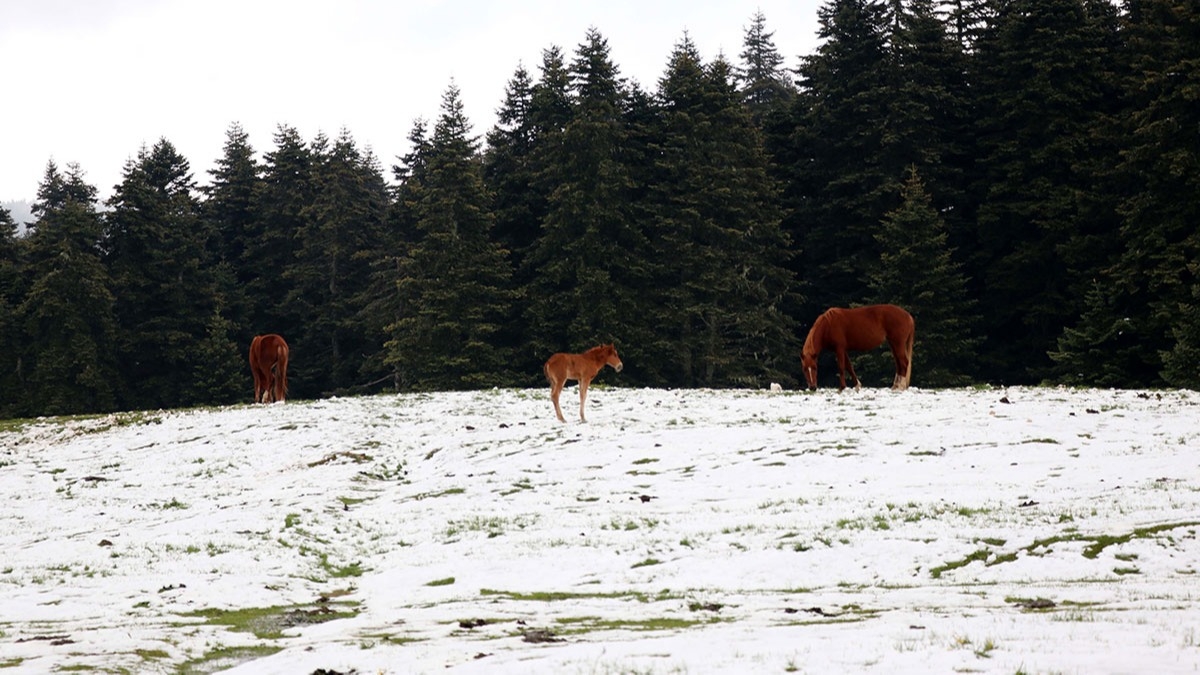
x,y
583,385
853,375
842,362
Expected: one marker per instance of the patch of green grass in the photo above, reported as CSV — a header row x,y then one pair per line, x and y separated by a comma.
x,y
225,658
494,526
647,460
268,623
443,493
553,596
591,624
980,555
646,563
441,582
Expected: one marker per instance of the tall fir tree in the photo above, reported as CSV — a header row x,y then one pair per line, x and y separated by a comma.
x,y
287,191
455,282
13,264
929,121
1043,75
1153,283
917,271
341,227
231,209
159,256
68,317
591,266
841,187
723,289
766,86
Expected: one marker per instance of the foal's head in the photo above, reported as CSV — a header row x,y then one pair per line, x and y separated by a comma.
x,y
610,357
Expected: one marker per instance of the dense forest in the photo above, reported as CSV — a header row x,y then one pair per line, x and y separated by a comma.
x,y
1022,175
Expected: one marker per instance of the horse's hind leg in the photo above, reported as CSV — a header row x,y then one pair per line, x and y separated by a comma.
x,y
556,387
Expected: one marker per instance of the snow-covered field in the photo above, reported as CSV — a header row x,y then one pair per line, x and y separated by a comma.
x,y
1022,530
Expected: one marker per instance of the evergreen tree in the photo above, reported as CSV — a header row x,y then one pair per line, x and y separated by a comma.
x,y
1153,283
717,236
509,171
1180,367
382,304
928,124
841,186
1103,349
68,320
287,191
454,286
230,208
158,254
765,85
12,268
1045,83
341,226
591,264
917,271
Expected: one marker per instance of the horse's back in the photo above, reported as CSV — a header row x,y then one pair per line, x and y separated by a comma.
x,y
562,366
865,328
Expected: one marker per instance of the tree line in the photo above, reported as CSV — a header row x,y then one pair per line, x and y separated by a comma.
x,y
1022,175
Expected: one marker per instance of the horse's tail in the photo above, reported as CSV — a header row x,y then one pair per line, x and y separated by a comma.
x,y
908,350
281,365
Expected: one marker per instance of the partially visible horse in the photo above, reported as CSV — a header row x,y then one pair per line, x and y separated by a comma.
x,y
860,329
583,367
269,363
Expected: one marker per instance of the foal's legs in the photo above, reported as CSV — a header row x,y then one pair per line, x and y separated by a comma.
x,y
583,385
556,387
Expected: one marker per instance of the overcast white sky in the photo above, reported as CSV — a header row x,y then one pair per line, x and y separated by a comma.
x,y
92,82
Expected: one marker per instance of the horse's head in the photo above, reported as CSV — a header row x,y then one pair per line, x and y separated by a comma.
x,y
808,361
611,358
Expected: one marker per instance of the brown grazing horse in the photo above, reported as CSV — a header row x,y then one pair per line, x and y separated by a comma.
x,y
583,367
860,329
268,363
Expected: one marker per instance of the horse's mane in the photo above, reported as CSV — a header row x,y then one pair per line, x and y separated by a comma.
x,y
600,349
809,348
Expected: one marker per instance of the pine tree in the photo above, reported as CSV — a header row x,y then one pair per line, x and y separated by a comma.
x,y
159,256
917,271
509,171
1044,74
231,211
342,225
717,236
765,85
841,187
1180,367
591,265
1103,349
288,189
455,282
68,320
1155,278
13,262
928,123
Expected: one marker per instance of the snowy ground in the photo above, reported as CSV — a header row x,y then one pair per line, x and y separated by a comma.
x,y
974,530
